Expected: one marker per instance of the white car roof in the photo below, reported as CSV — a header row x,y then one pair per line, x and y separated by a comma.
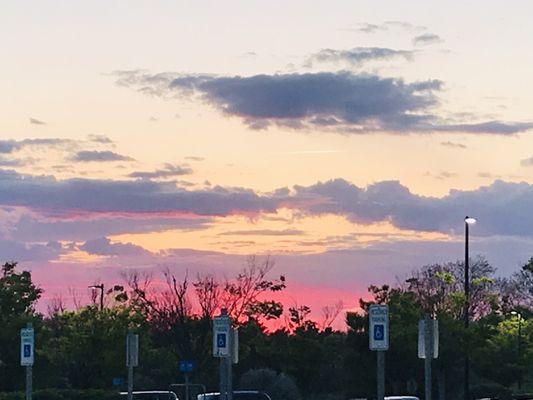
x,y
401,398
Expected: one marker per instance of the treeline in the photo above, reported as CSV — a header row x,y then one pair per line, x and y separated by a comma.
x,y
85,348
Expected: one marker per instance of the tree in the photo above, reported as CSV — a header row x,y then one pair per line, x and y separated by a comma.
x,y
18,296
243,296
517,290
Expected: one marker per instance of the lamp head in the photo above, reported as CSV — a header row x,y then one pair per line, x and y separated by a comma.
x,y
470,220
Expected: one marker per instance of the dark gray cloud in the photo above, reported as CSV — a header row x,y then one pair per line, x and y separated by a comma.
x,y
37,229
35,121
99,155
358,55
337,102
502,207
104,247
11,250
169,171
426,38
77,196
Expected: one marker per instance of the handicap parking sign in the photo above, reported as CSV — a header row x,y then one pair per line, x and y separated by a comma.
x,y
379,332
186,366
221,340
27,350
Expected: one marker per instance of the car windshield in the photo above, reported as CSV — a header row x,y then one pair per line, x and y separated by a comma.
x,y
154,396
238,396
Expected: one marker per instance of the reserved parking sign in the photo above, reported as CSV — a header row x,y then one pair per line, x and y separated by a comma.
x,y
378,316
26,347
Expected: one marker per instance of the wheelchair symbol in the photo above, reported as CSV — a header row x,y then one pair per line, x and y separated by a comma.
x,y
221,340
379,332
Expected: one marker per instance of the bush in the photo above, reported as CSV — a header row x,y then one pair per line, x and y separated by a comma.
x,y
279,387
66,394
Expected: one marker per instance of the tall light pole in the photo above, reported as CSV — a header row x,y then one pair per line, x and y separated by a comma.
x,y
519,347
101,287
468,221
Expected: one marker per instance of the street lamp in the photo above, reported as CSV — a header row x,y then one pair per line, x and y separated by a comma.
x,y
519,347
468,221
101,288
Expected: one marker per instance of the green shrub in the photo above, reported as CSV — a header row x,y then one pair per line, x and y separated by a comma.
x,y
64,394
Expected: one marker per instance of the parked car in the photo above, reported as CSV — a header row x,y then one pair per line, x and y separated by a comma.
x,y
401,398
152,395
237,395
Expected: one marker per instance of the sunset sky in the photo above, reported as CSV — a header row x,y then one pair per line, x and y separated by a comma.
x,y
346,139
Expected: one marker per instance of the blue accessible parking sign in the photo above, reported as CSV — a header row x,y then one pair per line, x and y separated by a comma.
x,y
186,366
378,316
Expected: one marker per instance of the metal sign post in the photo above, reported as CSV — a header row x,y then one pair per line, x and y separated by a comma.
x,y
186,367
428,348
222,348
132,359
27,350
378,317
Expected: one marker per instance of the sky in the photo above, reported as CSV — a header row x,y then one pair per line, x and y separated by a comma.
x,y
347,140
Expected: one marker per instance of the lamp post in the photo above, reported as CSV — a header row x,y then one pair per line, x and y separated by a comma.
x,y
101,288
519,347
468,221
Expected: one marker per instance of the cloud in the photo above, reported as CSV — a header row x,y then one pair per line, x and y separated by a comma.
x,y
358,55
453,145
408,26
388,25
10,145
443,175
67,197
97,155
99,139
264,232
168,171
33,228
370,28
11,250
34,121
427,38
195,158
488,175
502,207
527,162
104,247
15,162
341,102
